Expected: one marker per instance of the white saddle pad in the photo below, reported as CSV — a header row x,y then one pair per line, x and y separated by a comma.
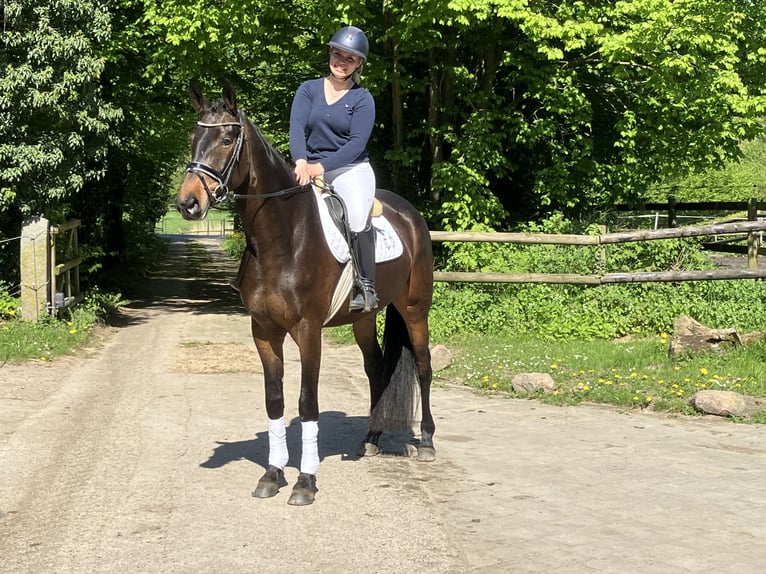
x,y
388,246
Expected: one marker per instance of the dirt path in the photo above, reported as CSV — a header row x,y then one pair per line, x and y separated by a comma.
x,y
141,456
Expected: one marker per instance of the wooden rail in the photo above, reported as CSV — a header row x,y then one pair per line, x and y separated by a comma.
x,y
749,227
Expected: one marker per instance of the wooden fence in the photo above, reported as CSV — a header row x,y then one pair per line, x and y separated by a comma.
x,y
50,267
209,226
751,228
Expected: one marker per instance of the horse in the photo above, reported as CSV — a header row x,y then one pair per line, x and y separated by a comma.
x,y
286,280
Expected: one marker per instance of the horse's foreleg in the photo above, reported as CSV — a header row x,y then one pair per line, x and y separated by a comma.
x,y
309,340
272,359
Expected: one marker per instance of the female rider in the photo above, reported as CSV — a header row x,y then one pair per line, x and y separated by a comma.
x,y
331,120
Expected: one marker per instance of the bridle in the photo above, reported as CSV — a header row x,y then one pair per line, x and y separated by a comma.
x,y
221,191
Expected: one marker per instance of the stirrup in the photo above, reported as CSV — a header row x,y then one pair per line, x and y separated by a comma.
x,y
365,300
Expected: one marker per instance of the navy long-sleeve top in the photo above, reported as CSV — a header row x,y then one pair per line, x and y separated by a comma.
x,y
334,134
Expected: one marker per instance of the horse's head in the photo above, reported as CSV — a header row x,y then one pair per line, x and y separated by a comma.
x,y
216,145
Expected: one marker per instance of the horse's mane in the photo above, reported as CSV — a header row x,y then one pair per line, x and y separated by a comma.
x,y
272,155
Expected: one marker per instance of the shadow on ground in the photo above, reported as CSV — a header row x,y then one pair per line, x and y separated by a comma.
x,y
194,276
339,435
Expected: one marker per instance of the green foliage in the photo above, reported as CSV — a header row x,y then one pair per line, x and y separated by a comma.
x,y
490,110
97,306
8,304
41,340
738,180
54,120
574,104
234,244
562,312
54,336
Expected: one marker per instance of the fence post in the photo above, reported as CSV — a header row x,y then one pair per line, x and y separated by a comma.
x,y
752,237
34,267
671,211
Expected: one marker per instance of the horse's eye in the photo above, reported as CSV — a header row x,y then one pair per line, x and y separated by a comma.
x,y
227,141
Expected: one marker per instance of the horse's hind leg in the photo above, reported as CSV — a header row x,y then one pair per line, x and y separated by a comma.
x,y
418,329
365,333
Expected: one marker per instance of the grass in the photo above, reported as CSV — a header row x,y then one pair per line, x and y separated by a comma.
x,y
217,222
43,340
51,337
636,374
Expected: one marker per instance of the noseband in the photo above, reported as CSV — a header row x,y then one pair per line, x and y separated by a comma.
x,y
223,177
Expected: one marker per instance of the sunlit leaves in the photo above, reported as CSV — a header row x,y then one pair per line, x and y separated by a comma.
x,y
54,125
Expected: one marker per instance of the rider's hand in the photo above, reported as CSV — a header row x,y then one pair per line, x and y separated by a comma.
x,y
316,170
302,174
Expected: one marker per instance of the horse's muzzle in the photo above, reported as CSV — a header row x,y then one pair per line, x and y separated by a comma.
x,y
189,206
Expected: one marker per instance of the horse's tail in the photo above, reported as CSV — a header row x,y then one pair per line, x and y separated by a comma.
x,y
394,411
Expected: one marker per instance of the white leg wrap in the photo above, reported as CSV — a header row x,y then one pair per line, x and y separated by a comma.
x,y
310,452
278,454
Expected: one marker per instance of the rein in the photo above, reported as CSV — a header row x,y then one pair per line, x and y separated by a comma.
x,y
316,182
280,193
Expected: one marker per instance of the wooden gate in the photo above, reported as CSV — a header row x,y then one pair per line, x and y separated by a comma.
x,y
50,267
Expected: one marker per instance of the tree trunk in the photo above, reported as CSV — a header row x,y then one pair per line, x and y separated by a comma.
x,y
435,136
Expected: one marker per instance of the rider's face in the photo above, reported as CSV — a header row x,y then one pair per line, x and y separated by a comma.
x,y
343,63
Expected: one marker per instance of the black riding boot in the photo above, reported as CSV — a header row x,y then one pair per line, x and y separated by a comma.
x,y
363,245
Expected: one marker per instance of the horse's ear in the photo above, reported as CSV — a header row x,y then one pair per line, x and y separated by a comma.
x,y
230,96
198,100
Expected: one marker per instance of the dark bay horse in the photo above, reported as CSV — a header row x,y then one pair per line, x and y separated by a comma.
x,y
287,278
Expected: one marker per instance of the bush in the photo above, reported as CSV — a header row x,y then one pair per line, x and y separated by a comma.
x,y
560,312
234,244
8,304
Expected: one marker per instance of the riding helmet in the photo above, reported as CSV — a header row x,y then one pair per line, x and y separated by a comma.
x,y
350,39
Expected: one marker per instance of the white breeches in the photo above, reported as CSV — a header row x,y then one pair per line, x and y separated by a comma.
x,y
356,185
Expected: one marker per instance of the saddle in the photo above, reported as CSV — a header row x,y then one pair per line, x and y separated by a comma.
x,y
332,213
337,209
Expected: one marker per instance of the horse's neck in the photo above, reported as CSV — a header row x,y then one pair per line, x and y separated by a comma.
x,y
276,225
278,229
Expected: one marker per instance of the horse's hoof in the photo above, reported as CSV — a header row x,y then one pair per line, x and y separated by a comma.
x,y
426,454
304,490
270,483
369,449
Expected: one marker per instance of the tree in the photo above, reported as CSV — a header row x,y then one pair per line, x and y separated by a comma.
x,y
54,122
488,111
575,104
